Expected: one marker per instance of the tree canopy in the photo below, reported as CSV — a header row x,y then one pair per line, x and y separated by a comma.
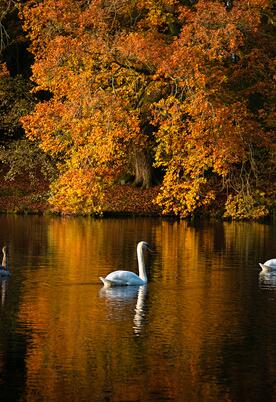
x,y
181,88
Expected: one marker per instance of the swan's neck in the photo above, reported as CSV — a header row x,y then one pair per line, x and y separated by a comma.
x,y
5,261
141,263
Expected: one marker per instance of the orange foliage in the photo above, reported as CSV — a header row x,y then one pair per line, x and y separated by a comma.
x,y
173,78
4,72
206,129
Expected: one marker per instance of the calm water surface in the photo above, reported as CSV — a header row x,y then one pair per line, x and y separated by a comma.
x,y
202,330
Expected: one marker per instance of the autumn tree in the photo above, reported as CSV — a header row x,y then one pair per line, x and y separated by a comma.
x,y
15,96
98,61
19,157
184,84
6,7
214,132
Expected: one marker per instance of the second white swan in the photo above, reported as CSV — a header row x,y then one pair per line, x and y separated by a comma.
x,y
128,278
269,265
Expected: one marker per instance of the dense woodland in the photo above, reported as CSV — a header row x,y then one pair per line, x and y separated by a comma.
x,y
165,104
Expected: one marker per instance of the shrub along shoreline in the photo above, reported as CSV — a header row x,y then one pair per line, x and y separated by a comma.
x,y
26,197
22,196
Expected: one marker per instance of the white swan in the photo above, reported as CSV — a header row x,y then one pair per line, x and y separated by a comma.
x,y
4,269
269,265
123,278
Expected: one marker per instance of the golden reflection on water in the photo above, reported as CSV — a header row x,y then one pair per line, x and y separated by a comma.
x,y
169,340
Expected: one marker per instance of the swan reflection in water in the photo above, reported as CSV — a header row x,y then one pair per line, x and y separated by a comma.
x,y
121,297
3,285
267,280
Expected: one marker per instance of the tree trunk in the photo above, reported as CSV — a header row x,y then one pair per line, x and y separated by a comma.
x,y
143,169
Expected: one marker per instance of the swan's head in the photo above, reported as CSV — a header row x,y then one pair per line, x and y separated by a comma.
x,y
144,246
4,249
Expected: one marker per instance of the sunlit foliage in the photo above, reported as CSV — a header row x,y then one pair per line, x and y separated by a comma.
x,y
189,84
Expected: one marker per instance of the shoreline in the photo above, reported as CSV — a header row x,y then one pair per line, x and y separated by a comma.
x,y
23,196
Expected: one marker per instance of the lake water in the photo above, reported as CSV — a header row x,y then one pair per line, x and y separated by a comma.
x,y
202,330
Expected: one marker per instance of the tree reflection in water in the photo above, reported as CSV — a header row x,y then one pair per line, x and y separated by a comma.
x,y
198,331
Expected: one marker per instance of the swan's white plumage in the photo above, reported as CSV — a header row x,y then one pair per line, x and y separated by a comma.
x,y
269,265
128,278
122,278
